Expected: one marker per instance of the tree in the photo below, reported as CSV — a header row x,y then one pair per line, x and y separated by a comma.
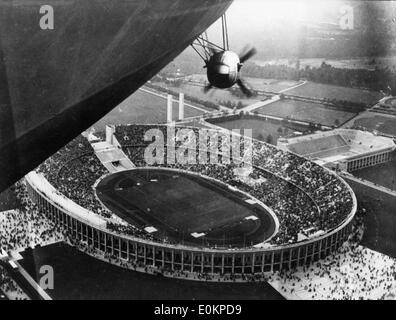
x,y
280,130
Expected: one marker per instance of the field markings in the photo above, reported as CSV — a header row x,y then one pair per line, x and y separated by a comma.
x,y
294,87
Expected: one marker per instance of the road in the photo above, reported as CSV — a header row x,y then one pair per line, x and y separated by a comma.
x,y
260,104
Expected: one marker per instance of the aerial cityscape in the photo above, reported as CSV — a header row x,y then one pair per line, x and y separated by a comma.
x,y
188,150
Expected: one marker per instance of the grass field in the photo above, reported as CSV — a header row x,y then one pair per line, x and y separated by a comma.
x,y
383,124
81,277
263,130
318,90
380,219
144,108
320,147
306,111
178,205
270,85
215,95
382,174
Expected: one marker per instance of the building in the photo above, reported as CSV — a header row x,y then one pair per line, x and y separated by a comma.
x,y
342,149
90,229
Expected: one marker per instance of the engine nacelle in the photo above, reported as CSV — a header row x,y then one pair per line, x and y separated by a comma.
x,y
223,69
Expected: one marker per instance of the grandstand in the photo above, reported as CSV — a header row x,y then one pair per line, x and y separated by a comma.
x,y
342,149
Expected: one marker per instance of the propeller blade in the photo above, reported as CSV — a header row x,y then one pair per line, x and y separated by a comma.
x,y
247,55
207,88
246,91
244,50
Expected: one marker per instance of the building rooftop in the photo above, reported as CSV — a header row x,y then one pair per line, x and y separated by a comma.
x,y
337,145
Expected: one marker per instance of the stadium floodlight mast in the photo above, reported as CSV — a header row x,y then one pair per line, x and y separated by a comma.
x,y
191,146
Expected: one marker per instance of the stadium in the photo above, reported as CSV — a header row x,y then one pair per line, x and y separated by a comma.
x,y
228,218
342,149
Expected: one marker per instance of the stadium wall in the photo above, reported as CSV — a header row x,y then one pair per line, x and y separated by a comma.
x,y
175,258
369,160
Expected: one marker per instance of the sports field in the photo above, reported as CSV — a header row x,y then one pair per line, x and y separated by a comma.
x,y
318,90
263,130
320,147
306,111
215,95
262,84
383,174
382,124
271,85
143,108
185,207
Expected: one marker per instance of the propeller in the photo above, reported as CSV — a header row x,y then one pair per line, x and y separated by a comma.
x,y
221,71
243,57
248,53
246,91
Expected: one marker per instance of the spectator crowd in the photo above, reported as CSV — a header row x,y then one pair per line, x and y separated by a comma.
x,y
302,194
25,226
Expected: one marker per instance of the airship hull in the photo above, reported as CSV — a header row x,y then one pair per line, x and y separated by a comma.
x,y
55,83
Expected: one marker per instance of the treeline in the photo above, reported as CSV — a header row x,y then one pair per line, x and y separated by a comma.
x,y
350,106
378,79
168,80
232,104
237,92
